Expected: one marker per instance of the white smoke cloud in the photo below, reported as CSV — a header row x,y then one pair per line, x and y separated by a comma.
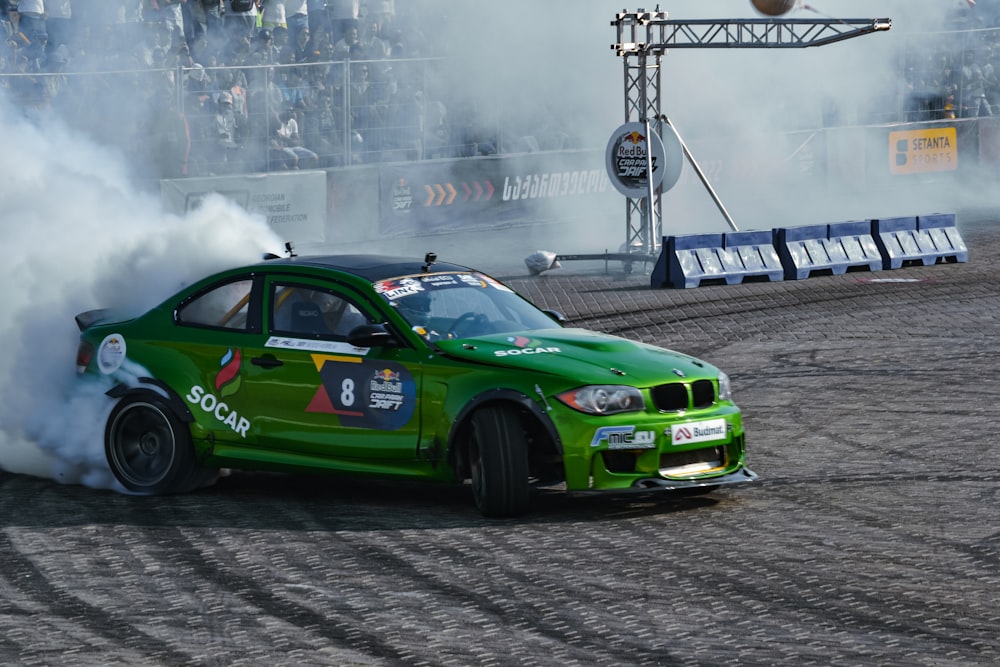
x,y
553,60
79,236
748,101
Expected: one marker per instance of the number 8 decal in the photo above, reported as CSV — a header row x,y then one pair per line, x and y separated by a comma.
x,y
364,393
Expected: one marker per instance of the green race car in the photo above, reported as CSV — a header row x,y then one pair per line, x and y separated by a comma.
x,y
394,367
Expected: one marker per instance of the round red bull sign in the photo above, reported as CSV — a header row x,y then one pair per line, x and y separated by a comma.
x,y
631,152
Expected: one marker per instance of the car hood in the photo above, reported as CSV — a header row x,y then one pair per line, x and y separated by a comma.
x,y
587,356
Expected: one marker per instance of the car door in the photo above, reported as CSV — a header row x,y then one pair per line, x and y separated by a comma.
x,y
203,358
318,395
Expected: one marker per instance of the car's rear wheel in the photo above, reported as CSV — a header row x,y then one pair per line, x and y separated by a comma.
x,y
498,462
148,449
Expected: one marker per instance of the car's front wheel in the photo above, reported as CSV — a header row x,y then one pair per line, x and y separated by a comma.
x,y
498,462
148,449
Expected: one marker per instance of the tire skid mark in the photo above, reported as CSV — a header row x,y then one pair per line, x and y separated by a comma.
x,y
793,591
825,423
22,573
912,616
493,598
621,585
335,625
986,557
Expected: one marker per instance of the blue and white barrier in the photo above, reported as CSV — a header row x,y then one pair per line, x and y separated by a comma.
x,y
832,248
795,253
693,259
921,240
752,255
689,261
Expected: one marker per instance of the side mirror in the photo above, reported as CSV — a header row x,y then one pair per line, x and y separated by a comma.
x,y
372,335
556,315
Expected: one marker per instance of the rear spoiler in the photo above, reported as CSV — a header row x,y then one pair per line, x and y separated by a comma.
x,y
89,318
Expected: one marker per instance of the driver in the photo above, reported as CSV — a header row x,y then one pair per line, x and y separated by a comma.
x,y
415,309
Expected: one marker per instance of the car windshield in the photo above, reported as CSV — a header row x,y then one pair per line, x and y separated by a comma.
x,y
460,305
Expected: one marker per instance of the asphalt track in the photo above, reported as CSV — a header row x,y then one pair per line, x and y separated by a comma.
x,y
871,402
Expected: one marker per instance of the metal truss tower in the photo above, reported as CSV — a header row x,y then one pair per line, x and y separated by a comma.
x,y
644,37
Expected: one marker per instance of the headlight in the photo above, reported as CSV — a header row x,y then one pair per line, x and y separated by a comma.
x,y
725,387
604,399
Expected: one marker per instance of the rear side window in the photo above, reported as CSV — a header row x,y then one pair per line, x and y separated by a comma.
x,y
222,307
311,312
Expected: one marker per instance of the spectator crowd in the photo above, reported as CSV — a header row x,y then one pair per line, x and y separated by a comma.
x,y
955,73
207,87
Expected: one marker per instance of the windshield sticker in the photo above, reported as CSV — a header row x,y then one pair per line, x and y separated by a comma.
x,y
493,283
473,280
312,345
111,353
364,393
398,288
440,280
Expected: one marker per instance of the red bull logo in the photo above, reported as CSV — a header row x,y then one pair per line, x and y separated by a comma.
x,y
385,390
635,156
387,375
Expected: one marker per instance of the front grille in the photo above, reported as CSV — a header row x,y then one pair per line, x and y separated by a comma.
x,y
711,457
679,396
702,393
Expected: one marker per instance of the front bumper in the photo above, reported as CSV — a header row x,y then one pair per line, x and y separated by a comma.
x,y
654,484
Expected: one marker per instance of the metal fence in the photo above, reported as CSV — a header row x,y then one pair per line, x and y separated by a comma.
x,y
197,121
942,76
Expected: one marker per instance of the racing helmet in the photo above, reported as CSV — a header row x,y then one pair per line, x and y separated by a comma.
x,y
415,308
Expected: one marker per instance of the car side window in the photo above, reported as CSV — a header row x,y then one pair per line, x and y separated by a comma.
x,y
225,306
304,310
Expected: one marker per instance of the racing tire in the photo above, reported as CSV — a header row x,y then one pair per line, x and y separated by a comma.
x,y
149,449
498,462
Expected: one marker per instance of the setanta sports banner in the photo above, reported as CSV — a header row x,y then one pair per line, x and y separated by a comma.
x,y
921,151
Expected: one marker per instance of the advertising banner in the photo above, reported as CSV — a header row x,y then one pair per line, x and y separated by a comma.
x,y
630,154
487,192
922,151
294,203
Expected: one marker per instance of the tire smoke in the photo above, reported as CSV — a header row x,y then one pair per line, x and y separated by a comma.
x,y
80,236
